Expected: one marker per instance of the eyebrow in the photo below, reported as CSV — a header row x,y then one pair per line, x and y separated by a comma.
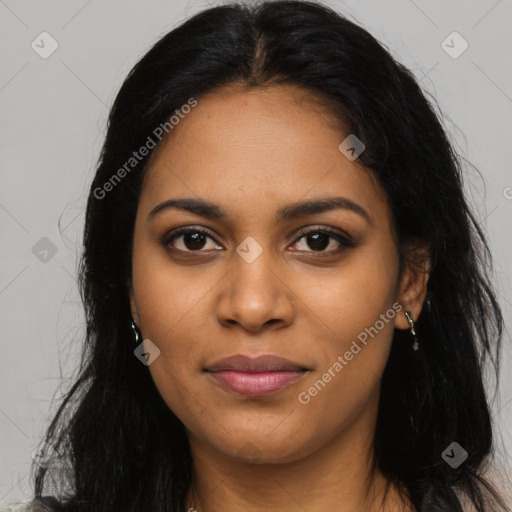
x,y
287,212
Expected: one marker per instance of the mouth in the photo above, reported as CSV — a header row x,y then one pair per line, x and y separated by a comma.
x,y
259,376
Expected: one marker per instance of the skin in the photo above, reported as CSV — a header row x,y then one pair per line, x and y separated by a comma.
x,y
252,152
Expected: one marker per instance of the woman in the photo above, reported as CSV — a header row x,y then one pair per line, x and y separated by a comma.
x,y
287,298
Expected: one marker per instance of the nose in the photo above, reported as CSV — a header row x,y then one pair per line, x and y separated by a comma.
x,y
255,295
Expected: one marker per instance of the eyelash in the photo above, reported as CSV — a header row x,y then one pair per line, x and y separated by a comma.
x,y
344,241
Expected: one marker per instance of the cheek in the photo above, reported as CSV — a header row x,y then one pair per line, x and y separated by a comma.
x,y
354,309
351,299
168,305
167,294
348,379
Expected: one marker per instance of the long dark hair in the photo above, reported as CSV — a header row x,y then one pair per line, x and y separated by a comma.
x,y
119,445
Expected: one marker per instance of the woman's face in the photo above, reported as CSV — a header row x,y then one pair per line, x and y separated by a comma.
x,y
256,284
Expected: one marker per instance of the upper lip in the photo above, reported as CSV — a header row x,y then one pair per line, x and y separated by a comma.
x,y
264,363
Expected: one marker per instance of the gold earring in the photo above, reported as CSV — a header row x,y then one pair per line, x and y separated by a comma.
x,y
415,344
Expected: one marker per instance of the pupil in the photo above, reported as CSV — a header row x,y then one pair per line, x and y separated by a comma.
x,y
323,238
193,240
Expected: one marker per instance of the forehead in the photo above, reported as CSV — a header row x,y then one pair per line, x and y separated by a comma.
x,y
255,150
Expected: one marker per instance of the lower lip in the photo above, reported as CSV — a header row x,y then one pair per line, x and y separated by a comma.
x,y
256,384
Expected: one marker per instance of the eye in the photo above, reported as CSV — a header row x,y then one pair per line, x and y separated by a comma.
x,y
193,239
196,240
319,239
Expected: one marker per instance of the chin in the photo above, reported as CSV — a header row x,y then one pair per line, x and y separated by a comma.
x,y
260,448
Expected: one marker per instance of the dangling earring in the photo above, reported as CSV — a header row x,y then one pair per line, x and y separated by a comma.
x,y
136,331
415,344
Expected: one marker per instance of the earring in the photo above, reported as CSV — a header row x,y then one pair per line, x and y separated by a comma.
x,y
136,331
415,345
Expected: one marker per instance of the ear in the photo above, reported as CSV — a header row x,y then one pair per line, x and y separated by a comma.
x,y
413,282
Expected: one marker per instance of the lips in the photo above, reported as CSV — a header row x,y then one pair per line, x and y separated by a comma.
x,y
246,364
255,376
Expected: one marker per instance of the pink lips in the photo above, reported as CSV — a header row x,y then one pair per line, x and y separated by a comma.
x,y
255,377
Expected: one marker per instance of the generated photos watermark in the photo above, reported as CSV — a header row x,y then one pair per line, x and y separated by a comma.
x,y
144,150
304,397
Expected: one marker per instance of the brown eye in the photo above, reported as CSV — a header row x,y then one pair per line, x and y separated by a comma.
x,y
192,240
317,240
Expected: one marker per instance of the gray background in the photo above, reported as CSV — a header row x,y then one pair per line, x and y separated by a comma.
x,y
53,122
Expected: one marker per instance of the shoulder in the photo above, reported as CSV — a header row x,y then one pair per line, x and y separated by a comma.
x,y
16,507
498,477
37,504
22,507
